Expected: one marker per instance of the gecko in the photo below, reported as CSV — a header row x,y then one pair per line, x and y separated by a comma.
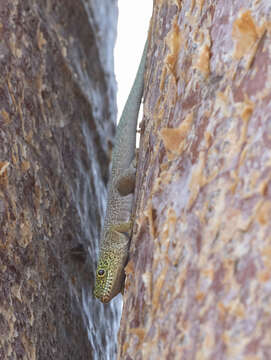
x,y
117,228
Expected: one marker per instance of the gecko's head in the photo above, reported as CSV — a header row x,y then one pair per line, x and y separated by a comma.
x,y
109,275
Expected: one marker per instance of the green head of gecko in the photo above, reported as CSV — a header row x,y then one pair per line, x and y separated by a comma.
x,y
109,277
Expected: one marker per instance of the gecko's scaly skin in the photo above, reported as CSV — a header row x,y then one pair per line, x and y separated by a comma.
x,y
117,228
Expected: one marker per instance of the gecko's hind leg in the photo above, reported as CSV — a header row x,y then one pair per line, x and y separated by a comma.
x,y
126,181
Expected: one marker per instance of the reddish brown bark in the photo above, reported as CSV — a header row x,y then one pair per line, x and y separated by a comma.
x,y
199,278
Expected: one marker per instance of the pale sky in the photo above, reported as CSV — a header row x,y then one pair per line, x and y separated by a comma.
x,y
133,24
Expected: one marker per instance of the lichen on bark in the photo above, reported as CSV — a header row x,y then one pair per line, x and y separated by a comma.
x,y
57,107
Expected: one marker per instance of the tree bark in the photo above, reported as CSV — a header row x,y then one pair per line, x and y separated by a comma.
x,y
199,275
57,106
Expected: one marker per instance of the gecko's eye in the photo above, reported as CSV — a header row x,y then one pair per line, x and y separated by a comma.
x,y
101,273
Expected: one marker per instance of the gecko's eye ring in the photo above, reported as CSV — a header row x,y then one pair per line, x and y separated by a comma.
x,y
101,273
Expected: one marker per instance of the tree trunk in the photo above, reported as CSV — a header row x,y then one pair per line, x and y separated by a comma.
x,y
57,106
199,277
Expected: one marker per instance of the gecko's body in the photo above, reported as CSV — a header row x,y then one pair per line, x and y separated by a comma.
x,y
114,245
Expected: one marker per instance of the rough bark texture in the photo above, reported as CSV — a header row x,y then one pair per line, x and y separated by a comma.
x,y
199,278
56,104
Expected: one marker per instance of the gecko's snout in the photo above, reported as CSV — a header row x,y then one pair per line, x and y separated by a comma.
x,y
105,299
